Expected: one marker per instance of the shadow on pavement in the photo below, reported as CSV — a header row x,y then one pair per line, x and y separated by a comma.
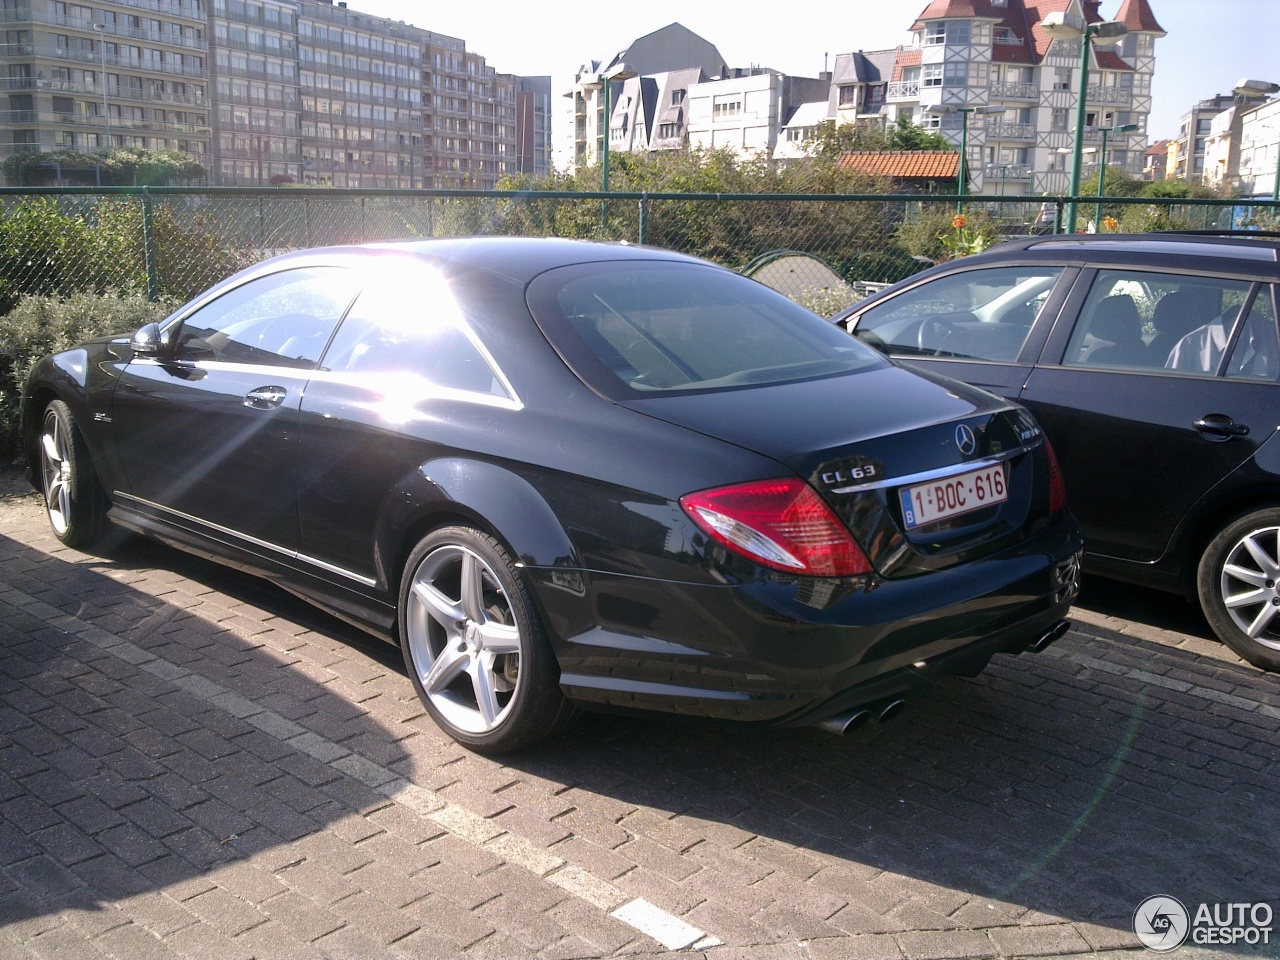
x,y
1043,787
114,779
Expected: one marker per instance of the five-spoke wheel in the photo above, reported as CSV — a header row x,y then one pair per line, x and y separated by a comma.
x,y
474,645
72,496
1239,586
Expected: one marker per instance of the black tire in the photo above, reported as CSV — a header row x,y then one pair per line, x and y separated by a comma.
x,y
1239,585
73,496
474,644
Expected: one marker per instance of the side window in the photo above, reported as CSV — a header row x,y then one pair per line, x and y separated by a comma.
x,y
417,329
283,319
1255,355
1152,321
975,314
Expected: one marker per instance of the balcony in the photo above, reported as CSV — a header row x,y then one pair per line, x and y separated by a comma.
x,y
79,55
1003,90
1003,130
118,124
1109,94
1001,172
904,90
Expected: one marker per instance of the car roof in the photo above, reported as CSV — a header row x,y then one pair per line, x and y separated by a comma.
x,y
1248,251
515,258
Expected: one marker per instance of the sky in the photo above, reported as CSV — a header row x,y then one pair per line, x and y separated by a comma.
x,y
1211,44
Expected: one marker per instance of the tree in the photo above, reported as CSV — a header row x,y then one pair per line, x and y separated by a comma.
x,y
123,167
831,141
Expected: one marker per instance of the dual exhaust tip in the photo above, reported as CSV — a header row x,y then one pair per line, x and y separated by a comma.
x,y
844,723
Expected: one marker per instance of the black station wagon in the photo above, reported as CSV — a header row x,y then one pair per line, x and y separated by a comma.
x,y
1151,361
569,475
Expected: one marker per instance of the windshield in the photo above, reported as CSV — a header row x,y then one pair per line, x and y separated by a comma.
x,y
633,328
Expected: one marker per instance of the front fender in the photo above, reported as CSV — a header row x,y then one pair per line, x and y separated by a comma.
x,y
487,494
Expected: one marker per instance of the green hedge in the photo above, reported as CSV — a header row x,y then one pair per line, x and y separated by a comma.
x,y
39,325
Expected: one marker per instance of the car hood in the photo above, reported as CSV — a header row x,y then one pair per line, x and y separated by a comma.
x,y
804,424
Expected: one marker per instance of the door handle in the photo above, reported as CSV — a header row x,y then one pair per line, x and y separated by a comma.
x,y
1219,426
265,398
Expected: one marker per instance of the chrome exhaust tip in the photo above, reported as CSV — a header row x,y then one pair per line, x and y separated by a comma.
x,y
1050,635
842,723
890,710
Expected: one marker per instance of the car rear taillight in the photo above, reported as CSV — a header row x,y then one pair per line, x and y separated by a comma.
x,y
782,524
1057,486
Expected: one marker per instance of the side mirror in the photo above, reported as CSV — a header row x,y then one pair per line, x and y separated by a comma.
x,y
151,341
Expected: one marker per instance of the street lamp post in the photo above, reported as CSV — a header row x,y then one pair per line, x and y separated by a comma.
x,y
942,110
1059,27
1102,166
101,28
1263,88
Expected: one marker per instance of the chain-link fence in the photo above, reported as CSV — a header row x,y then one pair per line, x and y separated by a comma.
x,y
823,250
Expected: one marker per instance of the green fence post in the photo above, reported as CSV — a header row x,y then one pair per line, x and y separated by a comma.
x,y
362,219
149,248
306,216
644,219
262,226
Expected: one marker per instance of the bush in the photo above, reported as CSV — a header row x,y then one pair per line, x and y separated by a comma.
x,y
41,325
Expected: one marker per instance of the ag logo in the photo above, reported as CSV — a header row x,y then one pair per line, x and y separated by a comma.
x,y
1161,923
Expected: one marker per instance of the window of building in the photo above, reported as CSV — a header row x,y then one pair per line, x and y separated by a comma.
x,y
728,106
954,32
931,75
848,94
677,96
1058,119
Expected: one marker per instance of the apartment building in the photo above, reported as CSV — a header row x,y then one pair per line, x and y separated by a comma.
x,y
668,61
981,71
257,131
94,74
971,56
534,147
267,92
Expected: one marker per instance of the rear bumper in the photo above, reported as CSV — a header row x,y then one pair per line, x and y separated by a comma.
x,y
794,651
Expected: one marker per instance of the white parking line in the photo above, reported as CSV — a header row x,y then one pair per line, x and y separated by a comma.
x,y
666,928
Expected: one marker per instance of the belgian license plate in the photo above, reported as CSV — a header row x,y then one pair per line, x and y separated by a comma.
x,y
952,496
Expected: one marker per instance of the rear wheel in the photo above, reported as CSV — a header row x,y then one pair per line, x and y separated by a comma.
x,y
474,645
1239,585
73,497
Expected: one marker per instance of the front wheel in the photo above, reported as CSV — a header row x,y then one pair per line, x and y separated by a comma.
x,y
474,645
73,496
1239,585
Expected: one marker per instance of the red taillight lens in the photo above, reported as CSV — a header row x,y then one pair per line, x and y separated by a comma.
x,y
1057,486
782,524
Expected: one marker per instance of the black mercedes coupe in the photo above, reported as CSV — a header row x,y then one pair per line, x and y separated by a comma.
x,y
566,475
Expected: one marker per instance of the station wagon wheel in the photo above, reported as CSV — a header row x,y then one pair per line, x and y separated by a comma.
x,y
474,645
1239,585
73,497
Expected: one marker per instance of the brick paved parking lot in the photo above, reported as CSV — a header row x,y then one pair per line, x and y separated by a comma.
x,y
194,764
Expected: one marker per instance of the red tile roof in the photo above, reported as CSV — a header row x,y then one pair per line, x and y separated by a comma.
x,y
905,164
1137,16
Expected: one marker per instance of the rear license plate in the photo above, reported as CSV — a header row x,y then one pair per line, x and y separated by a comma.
x,y
952,496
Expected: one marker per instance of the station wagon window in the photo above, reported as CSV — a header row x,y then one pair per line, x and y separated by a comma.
x,y
414,328
283,319
1156,321
975,314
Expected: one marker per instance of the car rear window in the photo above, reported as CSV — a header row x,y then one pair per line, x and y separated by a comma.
x,y
639,328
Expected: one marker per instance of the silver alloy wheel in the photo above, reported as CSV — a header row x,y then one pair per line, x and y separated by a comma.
x,y
55,460
463,640
1250,585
